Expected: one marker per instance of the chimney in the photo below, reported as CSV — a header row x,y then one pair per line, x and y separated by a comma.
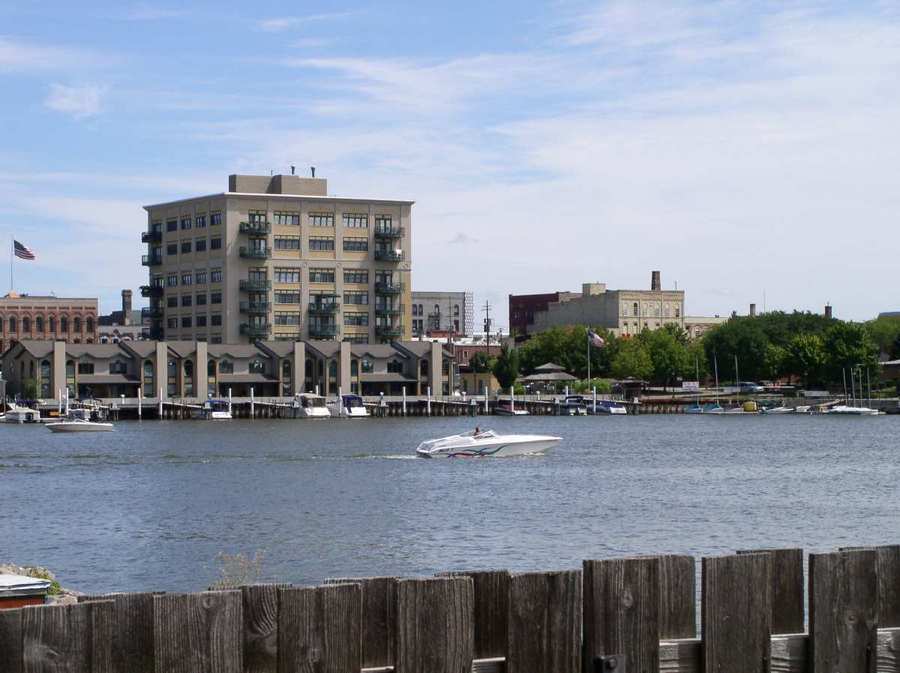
x,y
126,307
752,310
828,312
655,282
313,170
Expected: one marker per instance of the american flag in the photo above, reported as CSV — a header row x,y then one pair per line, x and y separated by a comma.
x,y
22,251
595,339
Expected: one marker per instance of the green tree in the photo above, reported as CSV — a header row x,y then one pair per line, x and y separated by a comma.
x,y
848,345
885,332
696,366
481,363
805,358
29,389
568,347
742,337
632,360
506,367
667,352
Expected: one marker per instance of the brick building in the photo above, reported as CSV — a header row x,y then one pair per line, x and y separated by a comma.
x,y
24,316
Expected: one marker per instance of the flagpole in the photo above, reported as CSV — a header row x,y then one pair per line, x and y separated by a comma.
x,y
11,256
589,355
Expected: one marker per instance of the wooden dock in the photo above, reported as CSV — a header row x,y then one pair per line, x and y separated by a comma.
x,y
618,615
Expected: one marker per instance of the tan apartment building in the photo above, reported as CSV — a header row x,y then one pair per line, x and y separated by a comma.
x,y
24,316
277,258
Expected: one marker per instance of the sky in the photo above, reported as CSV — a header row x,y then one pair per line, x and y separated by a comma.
x,y
748,150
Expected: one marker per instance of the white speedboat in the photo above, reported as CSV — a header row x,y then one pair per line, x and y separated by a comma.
x,y
78,425
777,410
348,406
573,405
311,406
845,410
484,443
17,414
609,407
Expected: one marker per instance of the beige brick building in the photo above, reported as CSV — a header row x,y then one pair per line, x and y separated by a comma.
x,y
276,258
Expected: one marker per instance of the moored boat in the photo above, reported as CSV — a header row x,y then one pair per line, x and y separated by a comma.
x,y
18,414
217,410
79,425
611,408
311,406
348,406
486,443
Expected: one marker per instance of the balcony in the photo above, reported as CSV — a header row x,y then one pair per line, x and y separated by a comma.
x,y
383,233
151,260
391,331
151,237
255,285
153,312
255,331
388,288
322,331
388,311
254,227
388,255
151,291
323,307
254,307
255,253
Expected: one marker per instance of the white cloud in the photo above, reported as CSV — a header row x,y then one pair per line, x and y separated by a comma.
x,y
18,55
77,101
281,23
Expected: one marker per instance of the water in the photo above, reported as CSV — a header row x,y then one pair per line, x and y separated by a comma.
x,y
151,505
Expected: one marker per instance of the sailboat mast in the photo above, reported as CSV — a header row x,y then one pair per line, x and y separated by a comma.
x,y
844,374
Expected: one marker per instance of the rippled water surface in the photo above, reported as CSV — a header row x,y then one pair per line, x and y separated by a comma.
x,y
151,505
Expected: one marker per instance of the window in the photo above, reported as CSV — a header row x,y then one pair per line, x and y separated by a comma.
x,y
677,312
357,276
215,243
321,219
215,275
356,220
321,275
85,367
186,321
215,298
353,244
172,280
215,219
187,278
634,308
171,225
356,298
187,300
383,222
286,275
201,299
148,374
282,297
321,243
216,319
200,245
282,318
287,242
188,369
39,324
172,323
288,219
117,367
172,249
63,324
185,223
358,319
395,367
77,324
456,310
172,301
200,221
201,321
256,217
52,321
200,278
226,367
185,247
367,366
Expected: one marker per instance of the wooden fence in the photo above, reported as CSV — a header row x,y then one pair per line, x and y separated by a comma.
x,y
631,615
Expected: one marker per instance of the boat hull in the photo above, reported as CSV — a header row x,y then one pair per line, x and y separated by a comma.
x,y
504,448
79,427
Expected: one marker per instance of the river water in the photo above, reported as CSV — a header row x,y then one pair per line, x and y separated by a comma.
x,y
152,505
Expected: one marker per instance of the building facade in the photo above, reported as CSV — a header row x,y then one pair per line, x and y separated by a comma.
x,y
276,258
126,324
25,316
197,369
445,312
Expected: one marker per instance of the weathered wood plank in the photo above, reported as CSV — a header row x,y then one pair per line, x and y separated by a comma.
x,y
843,597
491,610
260,614
888,659
435,625
887,567
621,610
379,609
545,623
790,653
680,655
320,629
677,597
11,640
737,613
788,601
67,638
198,633
132,630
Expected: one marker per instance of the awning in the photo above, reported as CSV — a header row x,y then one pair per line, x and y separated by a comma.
x,y
552,377
106,379
21,585
385,377
245,378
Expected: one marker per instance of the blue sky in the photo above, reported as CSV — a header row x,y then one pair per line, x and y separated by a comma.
x,y
746,149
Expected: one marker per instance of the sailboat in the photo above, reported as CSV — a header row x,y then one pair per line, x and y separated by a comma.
x,y
715,408
696,407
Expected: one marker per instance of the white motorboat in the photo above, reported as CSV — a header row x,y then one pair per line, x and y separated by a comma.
x,y
778,410
217,410
573,405
508,408
484,443
348,406
609,407
78,425
845,410
311,406
17,414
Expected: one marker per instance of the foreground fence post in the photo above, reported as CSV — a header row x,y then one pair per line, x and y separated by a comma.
x,y
787,588
319,629
491,613
737,613
435,631
677,597
11,639
260,623
843,598
544,623
379,617
78,637
198,633
132,630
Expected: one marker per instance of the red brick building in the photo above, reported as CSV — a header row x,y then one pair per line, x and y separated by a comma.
x,y
73,320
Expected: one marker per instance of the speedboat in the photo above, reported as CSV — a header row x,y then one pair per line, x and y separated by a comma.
x,y
18,414
348,406
777,410
507,408
217,410
845,410
573,405
79,425
311,406
483,443
611,407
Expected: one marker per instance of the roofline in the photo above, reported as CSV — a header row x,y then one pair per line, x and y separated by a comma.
x,y
311,197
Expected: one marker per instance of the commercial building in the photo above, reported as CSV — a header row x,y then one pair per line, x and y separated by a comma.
x,y
197,369
451,313
622,312
277,258
24,316
126,324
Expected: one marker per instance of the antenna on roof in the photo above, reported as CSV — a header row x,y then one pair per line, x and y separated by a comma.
x,y
313,169
292,169
271,172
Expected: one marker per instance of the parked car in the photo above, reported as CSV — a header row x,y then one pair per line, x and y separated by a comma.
x,y
749,387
